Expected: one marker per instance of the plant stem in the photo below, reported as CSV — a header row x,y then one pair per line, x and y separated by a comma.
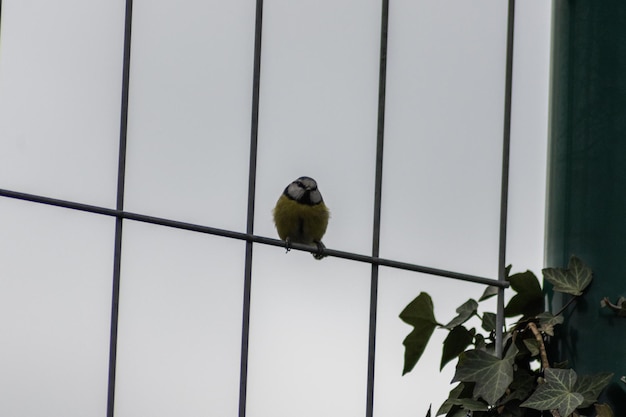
x,y
542,352
571,300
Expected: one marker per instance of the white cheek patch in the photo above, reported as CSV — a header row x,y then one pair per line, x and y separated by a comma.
x,y
295,192
316,197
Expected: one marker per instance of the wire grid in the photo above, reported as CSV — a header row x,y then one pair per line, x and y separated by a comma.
x,y
375,261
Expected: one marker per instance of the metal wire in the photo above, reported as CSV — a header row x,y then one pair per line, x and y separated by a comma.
x,y
506,144
380,136
254,134
121,173
248,237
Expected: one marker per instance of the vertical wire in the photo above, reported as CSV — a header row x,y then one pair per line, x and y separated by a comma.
x,y
254,132
505,174
380,134
121,173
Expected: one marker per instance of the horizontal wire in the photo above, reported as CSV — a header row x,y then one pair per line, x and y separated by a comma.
x,y
248,237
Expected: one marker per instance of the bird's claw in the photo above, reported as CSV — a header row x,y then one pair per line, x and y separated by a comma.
x,y
320,251
287,245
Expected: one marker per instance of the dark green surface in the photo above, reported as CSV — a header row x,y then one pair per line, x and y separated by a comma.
x,y
586,213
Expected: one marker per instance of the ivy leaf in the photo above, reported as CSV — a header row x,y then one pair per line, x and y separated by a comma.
x,y
580,273
547,322
459,412
572,280
529,298
457,341
419,314
556,393
533,346
470,404
512,410
460,391
521,387
489,292
465,311
603,410
489,322
491,374
590,386
561,365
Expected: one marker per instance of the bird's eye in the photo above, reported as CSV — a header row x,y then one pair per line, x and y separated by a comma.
x,y
299,184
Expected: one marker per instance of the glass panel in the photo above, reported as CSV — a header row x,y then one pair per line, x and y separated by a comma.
x,y
60,89
180,323
189,110
445,98
318,117
308,336
55,303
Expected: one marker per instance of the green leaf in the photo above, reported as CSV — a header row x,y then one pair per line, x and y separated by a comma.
x,y
419,314
471,404
590,386
581,274
460,391
479,342
513,410
523,384
557,277
525,282
556,393
561,365
457,341
489,292
489,322
572,280
547,322
533,346
529,298
603,410
465,311
458,412
491,374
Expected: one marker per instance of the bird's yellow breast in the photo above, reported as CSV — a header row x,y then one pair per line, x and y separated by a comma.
x,y
301,223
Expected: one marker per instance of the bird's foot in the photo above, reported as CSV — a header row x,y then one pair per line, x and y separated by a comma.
x,y
287,245
320,251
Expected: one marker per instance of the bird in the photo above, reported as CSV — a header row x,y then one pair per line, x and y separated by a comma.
x,y
301,216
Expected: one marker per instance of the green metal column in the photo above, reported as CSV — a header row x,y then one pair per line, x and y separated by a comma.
x,y
586,210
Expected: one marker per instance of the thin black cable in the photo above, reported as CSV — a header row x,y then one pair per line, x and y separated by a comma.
x,y
380,136
253,238
506,145
254,134
119,205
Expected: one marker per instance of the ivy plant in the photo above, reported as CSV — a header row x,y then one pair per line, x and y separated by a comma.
x,y
523,382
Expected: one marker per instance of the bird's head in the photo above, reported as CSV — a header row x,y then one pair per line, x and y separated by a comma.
x,y
304,190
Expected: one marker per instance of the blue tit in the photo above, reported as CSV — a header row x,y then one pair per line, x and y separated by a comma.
x,y
301,216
